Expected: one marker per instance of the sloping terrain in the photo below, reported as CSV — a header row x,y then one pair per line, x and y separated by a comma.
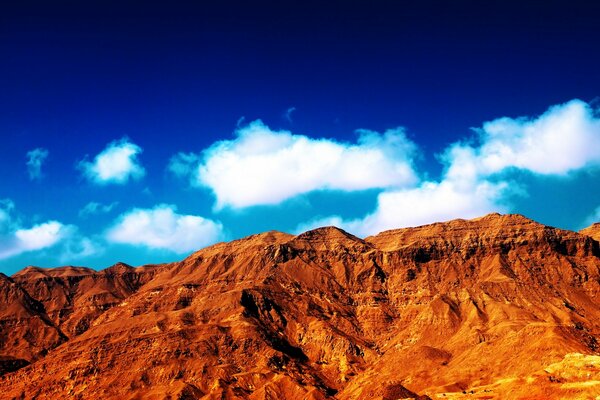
x,y
495,307
592,231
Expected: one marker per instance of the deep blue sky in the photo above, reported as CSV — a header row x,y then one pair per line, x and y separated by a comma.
x,y
178,76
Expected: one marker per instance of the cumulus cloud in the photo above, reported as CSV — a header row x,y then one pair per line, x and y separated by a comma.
x,y
429,202
35,159
14,239
564,139
261,166
117,163
65,241
162,228
93,208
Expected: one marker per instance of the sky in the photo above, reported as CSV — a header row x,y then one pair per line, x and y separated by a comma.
x,y
143,131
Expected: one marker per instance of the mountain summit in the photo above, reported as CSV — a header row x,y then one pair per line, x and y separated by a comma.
x,y
495,307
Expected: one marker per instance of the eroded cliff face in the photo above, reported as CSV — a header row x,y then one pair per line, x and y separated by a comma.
x,y
486,306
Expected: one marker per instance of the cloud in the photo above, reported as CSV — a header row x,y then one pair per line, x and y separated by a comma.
x,y
288,114
7,222
14,239
182,164
261,166
35,159
162,228
477,180
432,202
65,241
117,163
563,139
77,247
93,208
429,202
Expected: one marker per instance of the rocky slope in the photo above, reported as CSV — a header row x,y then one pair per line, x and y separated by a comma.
x,y
495,307
592,231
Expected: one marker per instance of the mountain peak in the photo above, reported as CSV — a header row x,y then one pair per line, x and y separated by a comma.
x,y
119,267
326,238
326,233
592,231
513,218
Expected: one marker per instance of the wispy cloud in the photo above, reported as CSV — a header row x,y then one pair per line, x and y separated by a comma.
x,y
77,248
117,164
35,159
288,114
240,122
261,166
93,208
182,165
162,228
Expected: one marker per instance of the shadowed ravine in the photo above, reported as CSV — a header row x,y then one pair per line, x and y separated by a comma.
x,y
494,307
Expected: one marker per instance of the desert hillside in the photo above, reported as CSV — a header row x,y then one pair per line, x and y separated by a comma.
x,y
495,307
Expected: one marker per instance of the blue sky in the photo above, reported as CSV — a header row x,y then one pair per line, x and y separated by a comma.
x,y
140,133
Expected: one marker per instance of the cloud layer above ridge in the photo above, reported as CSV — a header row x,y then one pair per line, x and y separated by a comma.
x,y
260,166
476,179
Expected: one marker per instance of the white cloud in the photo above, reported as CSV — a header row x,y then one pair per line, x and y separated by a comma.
x,y
566,138
93,208
563,139
261,166
39,236
14,239
162,228
431,202
117,163
65,240
35,159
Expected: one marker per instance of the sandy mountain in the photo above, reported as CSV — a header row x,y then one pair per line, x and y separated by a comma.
x,y
495,307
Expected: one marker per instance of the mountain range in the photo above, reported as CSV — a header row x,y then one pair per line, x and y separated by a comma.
x,y
494,307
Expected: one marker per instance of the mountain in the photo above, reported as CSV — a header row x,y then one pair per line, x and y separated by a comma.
x,y
592,231
495,307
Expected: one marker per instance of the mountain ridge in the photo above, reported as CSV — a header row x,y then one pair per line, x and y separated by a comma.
x,y
322,314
